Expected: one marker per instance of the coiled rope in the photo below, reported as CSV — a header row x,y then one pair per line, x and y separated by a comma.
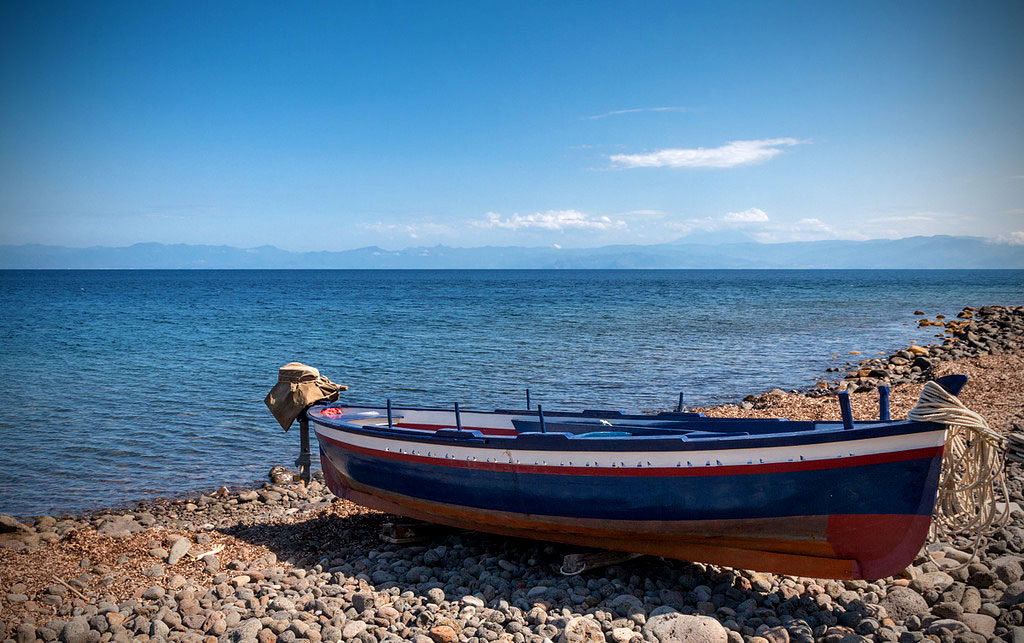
x,y
973,469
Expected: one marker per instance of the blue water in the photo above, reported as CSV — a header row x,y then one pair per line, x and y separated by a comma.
x,y
120,385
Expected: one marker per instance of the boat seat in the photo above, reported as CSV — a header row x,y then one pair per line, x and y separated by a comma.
x,y
452,432
524,440
715,434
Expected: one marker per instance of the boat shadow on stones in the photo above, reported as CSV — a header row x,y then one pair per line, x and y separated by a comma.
x,y
494,573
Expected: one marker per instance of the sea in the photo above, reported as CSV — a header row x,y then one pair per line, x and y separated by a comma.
x,y
119,386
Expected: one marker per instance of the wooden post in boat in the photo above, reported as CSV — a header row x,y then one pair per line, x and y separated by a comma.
x,y
527,399
390,426
845,409
458,418
679,408
303,461
883,403
540,416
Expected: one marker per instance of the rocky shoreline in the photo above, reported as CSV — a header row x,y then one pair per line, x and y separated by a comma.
x,y
991,330
287,562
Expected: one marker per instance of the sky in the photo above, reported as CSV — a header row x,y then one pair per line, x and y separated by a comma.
x,y
336,125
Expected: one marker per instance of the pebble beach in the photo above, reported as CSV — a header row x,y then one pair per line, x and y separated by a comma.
x,y
289,562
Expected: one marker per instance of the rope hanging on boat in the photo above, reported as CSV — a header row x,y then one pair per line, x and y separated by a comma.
x,y
973,468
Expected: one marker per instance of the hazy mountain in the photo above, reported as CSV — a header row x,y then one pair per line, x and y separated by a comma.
x,y
715,237
912,252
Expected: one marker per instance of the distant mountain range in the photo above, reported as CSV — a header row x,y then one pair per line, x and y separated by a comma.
x,y
911,252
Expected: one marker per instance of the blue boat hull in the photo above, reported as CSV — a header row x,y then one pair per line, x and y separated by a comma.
x,y
863,512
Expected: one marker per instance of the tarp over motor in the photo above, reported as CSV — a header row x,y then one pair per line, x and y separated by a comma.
x,y
297,387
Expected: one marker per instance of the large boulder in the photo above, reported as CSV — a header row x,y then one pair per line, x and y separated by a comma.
x,y
674,627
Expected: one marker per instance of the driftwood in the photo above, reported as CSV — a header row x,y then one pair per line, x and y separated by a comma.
x,y
406,532
573,564
77,593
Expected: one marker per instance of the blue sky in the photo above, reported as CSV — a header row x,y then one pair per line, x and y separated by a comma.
x,y
340,125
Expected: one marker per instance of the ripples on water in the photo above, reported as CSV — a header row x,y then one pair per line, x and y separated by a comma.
x,y
119,385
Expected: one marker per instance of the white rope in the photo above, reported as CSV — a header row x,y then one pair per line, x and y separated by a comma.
x,y
972,468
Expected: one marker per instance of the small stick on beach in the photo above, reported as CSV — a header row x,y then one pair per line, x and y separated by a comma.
x,y
77,593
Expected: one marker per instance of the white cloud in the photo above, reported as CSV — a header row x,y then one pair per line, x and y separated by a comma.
x,y
557,220
909,224
412,230
908,218
813,224
1016,238
810,229
919,217
732,154
755,224
753,215
642,213
637,110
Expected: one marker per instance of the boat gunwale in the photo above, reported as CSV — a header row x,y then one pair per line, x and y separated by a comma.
x,y
560,441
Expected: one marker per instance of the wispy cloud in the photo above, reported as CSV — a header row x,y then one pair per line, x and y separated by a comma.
x,y
637,110
925,216
412,230
753,215
556,220
1015,238
808,229
754,223
751,218
732,154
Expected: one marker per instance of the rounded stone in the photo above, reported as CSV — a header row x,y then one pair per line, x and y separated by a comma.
x,y
582,630
980,624
443,634
75,631
626,605
679,628
435,595
903,602
154,593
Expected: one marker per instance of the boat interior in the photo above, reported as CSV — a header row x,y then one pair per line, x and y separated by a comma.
x,y
604,424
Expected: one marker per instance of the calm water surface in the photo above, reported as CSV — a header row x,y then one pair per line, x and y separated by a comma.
x,y
119,385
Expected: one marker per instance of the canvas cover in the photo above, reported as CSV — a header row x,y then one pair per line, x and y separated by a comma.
x,y
297,387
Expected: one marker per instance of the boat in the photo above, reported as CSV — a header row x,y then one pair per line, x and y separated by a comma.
x,y
827,499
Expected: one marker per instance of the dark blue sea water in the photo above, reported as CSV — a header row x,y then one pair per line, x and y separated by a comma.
x,y
120,385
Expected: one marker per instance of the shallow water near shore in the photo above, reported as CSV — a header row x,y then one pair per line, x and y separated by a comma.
x,y
120,385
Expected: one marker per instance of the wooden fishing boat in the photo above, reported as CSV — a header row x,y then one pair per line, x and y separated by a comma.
x,y
847,500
